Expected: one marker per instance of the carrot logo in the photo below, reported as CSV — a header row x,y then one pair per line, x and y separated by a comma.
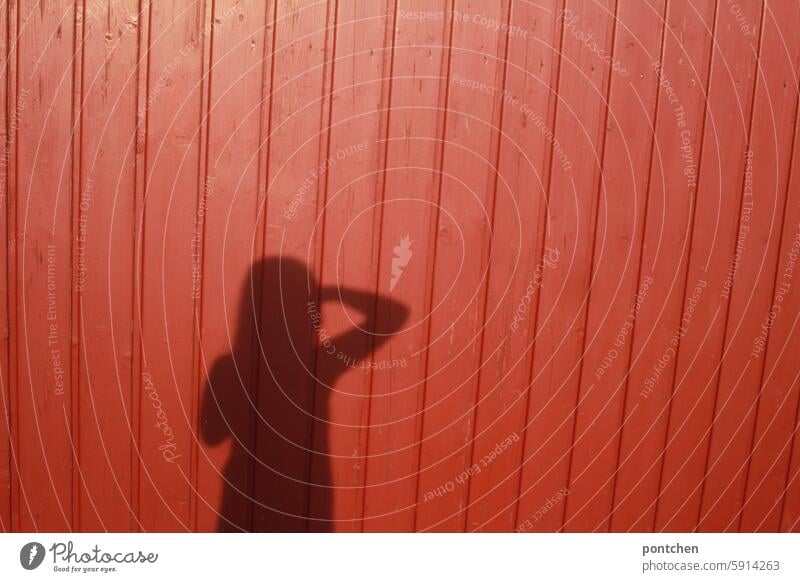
x,y
31,555
402,255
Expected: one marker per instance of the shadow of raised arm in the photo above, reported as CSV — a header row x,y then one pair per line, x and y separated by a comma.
x,y
383,317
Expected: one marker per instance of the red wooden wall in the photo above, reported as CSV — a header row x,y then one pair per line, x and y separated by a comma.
x,y
572,225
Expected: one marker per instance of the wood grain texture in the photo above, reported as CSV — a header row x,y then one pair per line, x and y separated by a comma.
x,y
399,265
6,143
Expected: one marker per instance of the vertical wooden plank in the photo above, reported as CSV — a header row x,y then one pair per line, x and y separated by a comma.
x,y
582,86
7,138
103,264
303,45
790,517
617,291
715,243
555,157
408,214
790,500
170,262
198,245
462,255
43,221
771,462
77,220
17,492
682,74
753,305
350,264
232,245
140,185
782,438
515,266
769,496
